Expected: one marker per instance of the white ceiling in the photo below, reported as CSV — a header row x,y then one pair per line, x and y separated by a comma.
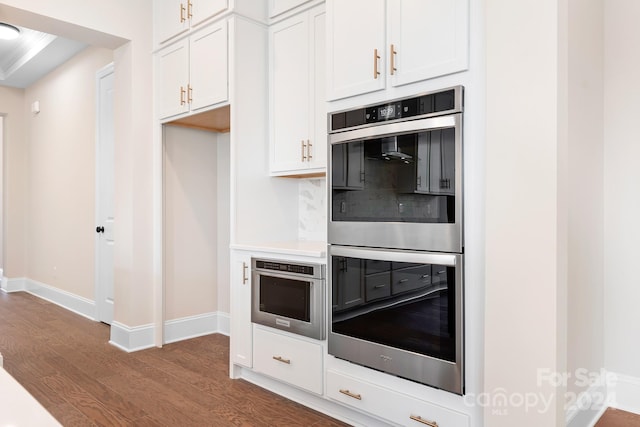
x,y
33,55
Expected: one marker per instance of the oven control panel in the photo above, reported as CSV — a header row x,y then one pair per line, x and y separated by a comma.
x,y
311,270
430,104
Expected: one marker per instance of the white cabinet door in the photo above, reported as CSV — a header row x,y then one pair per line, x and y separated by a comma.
x,y
241,343
170,19
172,79
318,118
208,66
429,37
200,10
289,93
297,94
356,46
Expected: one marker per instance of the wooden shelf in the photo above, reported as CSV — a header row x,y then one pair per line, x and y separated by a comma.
x,y
217,120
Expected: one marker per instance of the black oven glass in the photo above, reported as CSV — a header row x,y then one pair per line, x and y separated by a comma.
x,y
400,178
285,297
397,304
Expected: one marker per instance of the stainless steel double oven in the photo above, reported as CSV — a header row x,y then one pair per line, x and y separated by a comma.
x,y
396,237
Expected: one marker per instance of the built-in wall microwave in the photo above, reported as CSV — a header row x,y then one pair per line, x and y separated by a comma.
x,y
289,296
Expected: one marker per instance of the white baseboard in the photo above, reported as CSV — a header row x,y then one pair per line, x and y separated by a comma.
x,y
131,339
16,284
194,326
589,406
77,304
64,299
624,393
124,337
141,337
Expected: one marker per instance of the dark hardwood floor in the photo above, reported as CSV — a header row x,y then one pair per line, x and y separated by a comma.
x,y
66,363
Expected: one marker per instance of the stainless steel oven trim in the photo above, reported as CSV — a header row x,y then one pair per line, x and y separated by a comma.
x,y
450,260
420,236
315,328
395,128
434,372
458,108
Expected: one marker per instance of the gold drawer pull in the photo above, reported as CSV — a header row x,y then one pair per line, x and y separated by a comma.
x,y
419,419
348,393
280,359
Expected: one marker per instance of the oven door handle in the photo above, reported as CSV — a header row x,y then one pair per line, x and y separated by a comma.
x,y
409,126
449,260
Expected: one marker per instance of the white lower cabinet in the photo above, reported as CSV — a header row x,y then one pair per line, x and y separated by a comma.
x,y
240,339
292,360
396,407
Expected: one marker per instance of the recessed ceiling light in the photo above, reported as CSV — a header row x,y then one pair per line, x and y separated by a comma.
x,y
8,32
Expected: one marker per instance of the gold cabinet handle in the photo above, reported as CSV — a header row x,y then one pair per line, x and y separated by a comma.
x,y
376,57
245,267
348,393
189,9
189,93
309,145
393,60
419,419
281,359
182,93
182,10
303,148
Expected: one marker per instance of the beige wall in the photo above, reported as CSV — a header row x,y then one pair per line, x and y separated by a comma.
x,y
224,222
621,186
585,334
524,311
61,174
191,224
15,182
125,26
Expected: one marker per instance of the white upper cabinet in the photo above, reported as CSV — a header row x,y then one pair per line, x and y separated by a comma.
x,y
174,17
172,69
430,38
297,94
356,43
277,7
192,73
373,45
169,19
199,11
208,66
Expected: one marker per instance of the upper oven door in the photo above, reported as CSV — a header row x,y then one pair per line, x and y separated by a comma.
x,y
398,185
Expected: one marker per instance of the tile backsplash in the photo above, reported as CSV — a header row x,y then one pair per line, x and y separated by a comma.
x,y
312,209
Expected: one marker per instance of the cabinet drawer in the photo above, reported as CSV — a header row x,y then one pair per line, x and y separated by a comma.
x,y
288,359
409,279
377,286
372,266
393,406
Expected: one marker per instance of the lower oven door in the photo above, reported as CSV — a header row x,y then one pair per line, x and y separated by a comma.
x,y
399,312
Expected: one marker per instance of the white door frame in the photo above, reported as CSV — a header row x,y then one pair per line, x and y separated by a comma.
x,y
99,290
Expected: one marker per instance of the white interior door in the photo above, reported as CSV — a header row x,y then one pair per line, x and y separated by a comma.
x,y
104,196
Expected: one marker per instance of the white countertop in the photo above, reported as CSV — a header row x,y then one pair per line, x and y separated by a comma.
x,y
294,247
18,408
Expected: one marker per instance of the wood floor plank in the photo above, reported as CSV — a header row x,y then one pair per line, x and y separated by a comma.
x,y
65,361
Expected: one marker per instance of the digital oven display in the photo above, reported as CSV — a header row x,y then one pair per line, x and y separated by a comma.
x,y
387,112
